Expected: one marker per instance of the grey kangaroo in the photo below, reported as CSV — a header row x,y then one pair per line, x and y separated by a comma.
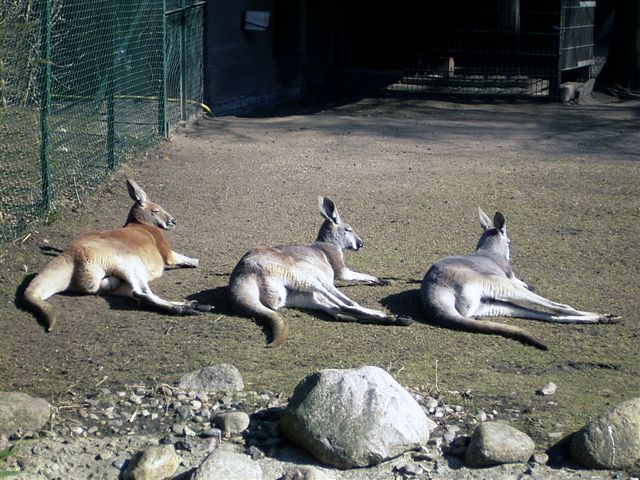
x,y
302,276
121,262
458,291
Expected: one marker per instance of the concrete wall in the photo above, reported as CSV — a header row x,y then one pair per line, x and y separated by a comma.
x,y
245,69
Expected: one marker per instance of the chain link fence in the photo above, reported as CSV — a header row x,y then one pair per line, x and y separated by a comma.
x,y
84,86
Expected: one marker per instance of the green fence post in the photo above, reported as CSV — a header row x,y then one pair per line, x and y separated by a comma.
x,y
163,128
183,63
111,157
45,108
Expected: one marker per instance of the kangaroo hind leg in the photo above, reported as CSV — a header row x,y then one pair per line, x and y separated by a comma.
x,y
507,309
314,301
352,311
520,293
135,284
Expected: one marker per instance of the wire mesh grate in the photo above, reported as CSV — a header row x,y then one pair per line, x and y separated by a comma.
x,y
82,89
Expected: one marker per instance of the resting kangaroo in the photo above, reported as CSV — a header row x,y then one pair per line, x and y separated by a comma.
x,y
121,262
302,276
457,291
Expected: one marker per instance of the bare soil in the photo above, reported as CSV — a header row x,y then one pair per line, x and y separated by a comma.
x,y
408,174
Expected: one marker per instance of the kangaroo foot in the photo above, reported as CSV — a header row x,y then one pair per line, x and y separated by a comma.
x,y
403,320
608,318
186,310
203,307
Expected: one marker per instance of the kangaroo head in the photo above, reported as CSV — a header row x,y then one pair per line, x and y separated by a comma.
x,y
333,230
145,211
494,239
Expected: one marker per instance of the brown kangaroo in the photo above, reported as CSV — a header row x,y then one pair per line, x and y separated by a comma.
x,y
302,276
121,262
457,291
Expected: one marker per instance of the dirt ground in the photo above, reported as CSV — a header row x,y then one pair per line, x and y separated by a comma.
x,y
408,174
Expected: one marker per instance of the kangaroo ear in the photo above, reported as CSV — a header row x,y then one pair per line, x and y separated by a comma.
x,y
485,221
328,210
135,192
499,221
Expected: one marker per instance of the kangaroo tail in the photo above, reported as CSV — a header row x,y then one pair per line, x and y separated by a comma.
x,y
458,322
55,278
245,300
445,314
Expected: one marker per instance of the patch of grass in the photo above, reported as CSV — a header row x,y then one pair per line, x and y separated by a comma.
x,y
4,456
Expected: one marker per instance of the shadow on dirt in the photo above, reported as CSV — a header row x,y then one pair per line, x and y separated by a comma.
x,y
216,297
18,300
406,303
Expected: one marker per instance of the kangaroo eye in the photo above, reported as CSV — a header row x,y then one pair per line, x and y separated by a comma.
x,y
348,229
155,210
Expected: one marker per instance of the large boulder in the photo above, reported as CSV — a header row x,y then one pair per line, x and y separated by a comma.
x,y
216,378
19,411
354,418
612,440
495,443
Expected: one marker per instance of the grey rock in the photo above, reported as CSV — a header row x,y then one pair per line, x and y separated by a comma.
x,y
611,440
183,411
354,418
306,473
169,440
232,422
157,462
431,403
19,411
450,433
255,452
549,389
212,433
410,468
222,464
217,378
431,425
104,455
540,458
495,443
435,442
178,428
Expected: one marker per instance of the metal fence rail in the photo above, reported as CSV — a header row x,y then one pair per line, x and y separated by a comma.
x,y
84,86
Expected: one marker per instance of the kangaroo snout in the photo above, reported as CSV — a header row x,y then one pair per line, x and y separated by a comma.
x,y
170,224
